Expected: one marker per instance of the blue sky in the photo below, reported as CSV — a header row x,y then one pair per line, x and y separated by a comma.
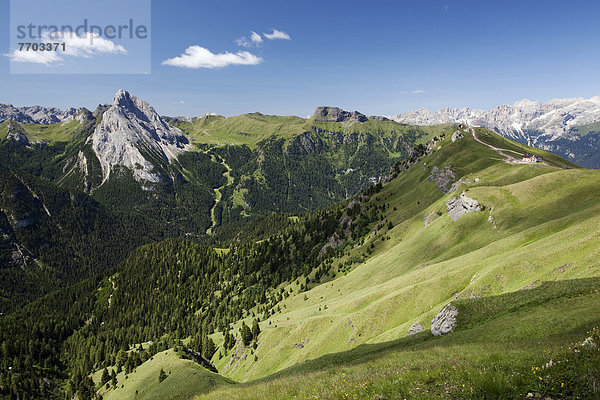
x,y
378,57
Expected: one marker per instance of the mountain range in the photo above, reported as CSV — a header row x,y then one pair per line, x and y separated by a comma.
x,y
258,256
173,177
567,127
36,114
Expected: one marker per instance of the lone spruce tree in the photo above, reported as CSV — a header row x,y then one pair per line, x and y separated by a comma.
x,y
161,375
246,334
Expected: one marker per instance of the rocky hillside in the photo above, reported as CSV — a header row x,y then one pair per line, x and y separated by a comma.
x,y
567,127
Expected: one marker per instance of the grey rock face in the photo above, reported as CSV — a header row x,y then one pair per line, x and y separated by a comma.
x,y
456,135
445,321
131,132
15,134
416,328
336,114
458,206
443,178
378,118
85,116
305,144
430,217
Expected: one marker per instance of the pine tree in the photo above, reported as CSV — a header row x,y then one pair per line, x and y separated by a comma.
x,y
105,376
208,347
227,341
255,330
161,375
113,379
246,334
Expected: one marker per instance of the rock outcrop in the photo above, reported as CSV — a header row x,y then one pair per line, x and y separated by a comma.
x,y
85,117
416,328
456,136
442,177
336,114
378,118
445,321
15,133
461,205
430,217
133,135
305,143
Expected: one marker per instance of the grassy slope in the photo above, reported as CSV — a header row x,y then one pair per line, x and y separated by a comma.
x,y
185,379
62,132
493,358
419,269
51,134
249,129
3,130
246,129
583,130
543,228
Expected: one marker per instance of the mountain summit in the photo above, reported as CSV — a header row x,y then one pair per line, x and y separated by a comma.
x,y
133,135
335,114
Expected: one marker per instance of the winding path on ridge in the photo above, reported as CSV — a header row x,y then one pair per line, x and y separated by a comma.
x,y
507,158
218,193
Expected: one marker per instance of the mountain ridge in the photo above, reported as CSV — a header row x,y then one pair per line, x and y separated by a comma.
x,y
551,125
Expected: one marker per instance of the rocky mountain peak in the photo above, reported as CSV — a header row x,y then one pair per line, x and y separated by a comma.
x,y
133,135
336,114
124,99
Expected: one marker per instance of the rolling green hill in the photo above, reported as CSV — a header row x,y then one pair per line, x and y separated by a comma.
x,y
504,351
524,235
245,129
184,380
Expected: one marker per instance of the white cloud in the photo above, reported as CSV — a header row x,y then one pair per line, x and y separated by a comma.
x,y
255,37
86,45
179,102
277,34
418,91
254,41
200,57
34,57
